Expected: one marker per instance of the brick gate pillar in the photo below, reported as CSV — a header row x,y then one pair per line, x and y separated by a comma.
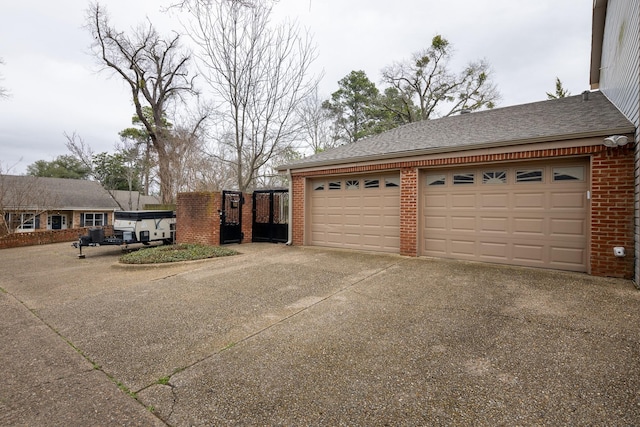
x,y
247,218
197,218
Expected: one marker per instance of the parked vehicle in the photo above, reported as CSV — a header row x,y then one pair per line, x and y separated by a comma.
x,y
129,227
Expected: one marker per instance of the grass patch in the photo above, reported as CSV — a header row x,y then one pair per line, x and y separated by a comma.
x,y
126,389
164,380
228,346
175,253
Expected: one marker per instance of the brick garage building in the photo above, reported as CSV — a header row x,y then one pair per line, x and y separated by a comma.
x,y
532,185
615,70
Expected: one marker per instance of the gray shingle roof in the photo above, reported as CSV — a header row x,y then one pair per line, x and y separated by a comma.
x,y
553,120
54,193
138,201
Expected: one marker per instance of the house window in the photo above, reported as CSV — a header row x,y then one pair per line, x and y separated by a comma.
x,y
531,175
464,178
392,181
93,219
335,185
494,177
27,221
436,179
352,184
571,173
318,186
371,183
23,221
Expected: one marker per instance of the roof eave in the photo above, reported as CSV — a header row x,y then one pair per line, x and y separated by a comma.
x,y
597,37
440,150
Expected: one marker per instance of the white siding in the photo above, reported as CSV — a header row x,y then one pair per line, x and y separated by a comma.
x,y
620,65
620,80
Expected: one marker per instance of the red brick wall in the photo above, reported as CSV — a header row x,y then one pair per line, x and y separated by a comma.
x,y
44,237
611,205
612,216
408,211
197,218
297,201
247,218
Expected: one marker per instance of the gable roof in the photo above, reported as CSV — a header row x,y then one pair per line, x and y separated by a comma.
x,y
30,192
553,120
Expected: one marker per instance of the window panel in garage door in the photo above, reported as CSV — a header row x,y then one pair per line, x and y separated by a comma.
x,y
531,214
356,212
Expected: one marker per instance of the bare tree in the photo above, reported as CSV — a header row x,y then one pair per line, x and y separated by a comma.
x,y
4,92
215,172
186,148
258,75
139,137
316,124
156,71
427,79
80,149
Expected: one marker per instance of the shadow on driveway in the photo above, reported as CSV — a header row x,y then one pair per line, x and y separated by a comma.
x,y
305,336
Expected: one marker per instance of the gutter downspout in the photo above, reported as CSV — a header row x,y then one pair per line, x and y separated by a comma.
x,y
290,228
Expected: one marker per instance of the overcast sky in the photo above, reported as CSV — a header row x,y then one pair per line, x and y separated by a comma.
x,y
56,85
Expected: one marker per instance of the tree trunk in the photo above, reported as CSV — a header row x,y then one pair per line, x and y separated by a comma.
x,y
164,173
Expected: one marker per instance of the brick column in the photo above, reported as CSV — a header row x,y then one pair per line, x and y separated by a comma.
x,y
247,218
612,216
43,217
297,200
197,218
408,211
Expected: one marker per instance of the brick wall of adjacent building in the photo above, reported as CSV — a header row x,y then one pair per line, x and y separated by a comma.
x,y
612,215
297,200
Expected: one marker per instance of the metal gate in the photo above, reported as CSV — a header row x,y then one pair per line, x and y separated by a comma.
x,y
231,217
270,216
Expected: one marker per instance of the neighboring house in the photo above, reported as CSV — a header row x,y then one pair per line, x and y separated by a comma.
x,y
31,203
536,185
133,200
615,70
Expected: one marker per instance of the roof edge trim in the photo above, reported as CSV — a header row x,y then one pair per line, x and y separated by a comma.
x,y
439,150
597,38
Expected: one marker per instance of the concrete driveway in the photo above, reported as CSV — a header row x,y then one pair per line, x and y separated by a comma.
x,y
304,336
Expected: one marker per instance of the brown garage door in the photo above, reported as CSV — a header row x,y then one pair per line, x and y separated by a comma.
x,y
532,214
358,212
